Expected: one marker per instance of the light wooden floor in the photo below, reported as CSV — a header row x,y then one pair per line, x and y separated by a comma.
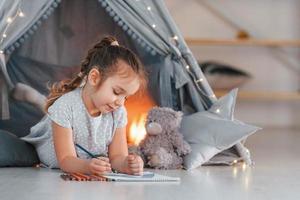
x,y
275,175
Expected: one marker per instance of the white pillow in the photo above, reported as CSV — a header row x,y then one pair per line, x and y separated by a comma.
x,y
212,131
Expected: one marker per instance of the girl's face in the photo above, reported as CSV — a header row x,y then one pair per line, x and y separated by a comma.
x,y
112,93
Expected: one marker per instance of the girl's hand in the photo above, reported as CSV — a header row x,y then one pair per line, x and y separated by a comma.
x,y
99,165
134,164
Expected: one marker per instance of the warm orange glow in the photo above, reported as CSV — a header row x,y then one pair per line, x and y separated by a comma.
x,y
137,108
137,130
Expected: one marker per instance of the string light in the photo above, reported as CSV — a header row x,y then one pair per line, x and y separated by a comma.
x,y
175,39
9,21
199,80
150,11
218,111
21,14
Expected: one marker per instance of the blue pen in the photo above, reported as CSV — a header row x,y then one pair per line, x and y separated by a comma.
x,y
86,151
90,154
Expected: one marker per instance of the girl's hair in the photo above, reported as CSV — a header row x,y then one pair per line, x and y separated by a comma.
x,y
103,56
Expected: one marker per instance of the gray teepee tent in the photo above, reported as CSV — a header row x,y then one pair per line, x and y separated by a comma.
x,y
43,40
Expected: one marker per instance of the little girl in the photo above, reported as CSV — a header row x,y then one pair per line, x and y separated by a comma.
x,y
88,111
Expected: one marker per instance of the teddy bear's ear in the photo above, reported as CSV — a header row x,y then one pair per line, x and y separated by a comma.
x,y
179,114
153,128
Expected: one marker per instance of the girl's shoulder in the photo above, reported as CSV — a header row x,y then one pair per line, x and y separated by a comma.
x,y
64,108
67,100
70,97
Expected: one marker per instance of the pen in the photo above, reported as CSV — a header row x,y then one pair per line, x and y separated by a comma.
x,y
90,154
86,151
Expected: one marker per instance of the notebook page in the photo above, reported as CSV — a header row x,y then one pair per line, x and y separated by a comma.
x,y
154,178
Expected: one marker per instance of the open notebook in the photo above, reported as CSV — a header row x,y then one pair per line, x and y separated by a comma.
x,y
119,177
146,177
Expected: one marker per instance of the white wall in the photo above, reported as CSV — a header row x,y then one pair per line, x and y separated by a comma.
x,y
270,19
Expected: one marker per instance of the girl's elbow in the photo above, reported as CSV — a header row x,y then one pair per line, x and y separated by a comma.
x,y
63,164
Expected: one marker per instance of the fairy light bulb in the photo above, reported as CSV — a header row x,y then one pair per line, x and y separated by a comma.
x,y
175,37
9,20
218,111
187,67
199,80
153,25
1,51
21,14
149,8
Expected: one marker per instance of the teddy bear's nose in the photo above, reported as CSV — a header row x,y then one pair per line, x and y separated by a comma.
x,y
153,128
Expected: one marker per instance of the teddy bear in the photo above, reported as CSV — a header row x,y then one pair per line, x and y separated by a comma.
x,y
163,146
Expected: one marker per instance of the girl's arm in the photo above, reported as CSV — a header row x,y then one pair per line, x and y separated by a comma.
x,y
118,155
118,150
66,154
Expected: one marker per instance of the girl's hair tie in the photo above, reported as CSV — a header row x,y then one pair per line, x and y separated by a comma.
x,y
80,74
114,43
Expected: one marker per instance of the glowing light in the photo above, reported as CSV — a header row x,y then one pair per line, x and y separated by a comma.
x,y
175,37
1,52
137,130
234,172
149,8
21,14
218,111
9,20
187,67
244,166
199,80
153,25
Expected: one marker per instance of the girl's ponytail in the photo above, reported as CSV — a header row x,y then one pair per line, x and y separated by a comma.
x,y
62,87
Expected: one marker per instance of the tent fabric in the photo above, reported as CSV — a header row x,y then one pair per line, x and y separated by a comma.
x,y
133,18
159,36
16,33
176,79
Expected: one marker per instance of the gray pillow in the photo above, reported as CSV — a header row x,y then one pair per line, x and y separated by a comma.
x,y
212,131
15,152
